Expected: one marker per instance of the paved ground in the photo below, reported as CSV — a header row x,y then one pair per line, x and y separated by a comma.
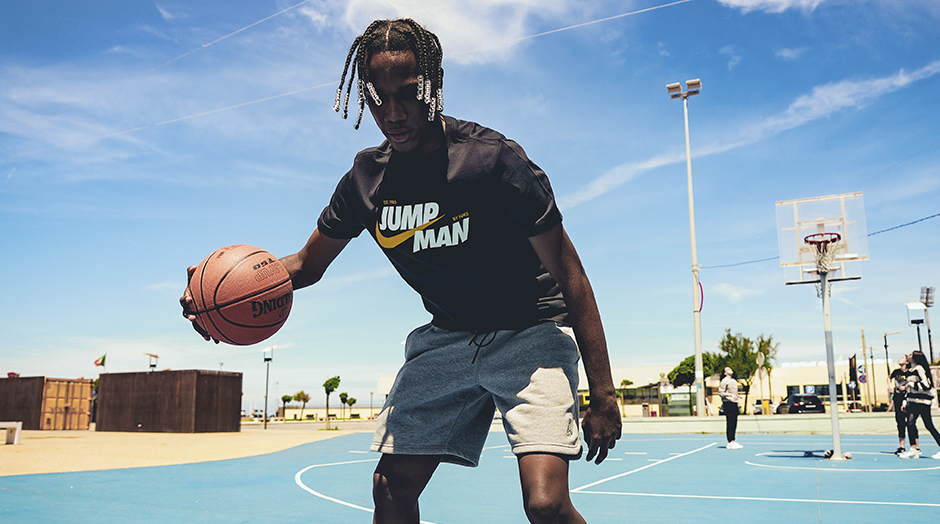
x,y
649,477
69,451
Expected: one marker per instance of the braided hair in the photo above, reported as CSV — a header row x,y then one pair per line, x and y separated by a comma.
x,y
399,35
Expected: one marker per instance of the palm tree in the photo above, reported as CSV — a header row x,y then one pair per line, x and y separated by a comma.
x,y
330,386
342,398
621,393
300,396
285,399
349,402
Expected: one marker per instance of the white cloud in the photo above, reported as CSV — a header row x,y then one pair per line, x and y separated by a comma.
x,y
732,52
732,292
318,18
773,6
168,16
821,102
614,178
462,26
790,53
827,99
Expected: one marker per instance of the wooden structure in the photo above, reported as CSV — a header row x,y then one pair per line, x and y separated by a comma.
x,y
185,401
46,403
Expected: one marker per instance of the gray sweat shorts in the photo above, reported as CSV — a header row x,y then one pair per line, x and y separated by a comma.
x,y
443,398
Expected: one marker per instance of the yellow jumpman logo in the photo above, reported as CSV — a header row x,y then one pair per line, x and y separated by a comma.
x,y
394,241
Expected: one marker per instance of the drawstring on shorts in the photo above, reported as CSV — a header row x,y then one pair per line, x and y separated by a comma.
x,y
486,338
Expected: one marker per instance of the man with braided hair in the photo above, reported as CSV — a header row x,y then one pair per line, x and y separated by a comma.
x,y
511,305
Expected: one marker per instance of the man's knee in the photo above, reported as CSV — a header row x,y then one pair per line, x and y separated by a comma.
x,y
545,488
399,479
543,507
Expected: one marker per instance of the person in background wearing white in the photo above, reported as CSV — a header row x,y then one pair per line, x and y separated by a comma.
x,y
728,391
920,392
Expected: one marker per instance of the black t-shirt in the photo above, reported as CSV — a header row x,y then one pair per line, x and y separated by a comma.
x,y
455,225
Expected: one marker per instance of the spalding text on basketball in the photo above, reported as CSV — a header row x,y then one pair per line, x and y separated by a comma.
x,y
279,305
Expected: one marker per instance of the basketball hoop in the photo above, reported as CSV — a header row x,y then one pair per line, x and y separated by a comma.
x,y
823,245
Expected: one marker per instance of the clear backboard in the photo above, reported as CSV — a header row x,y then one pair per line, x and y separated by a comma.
x,y
843,214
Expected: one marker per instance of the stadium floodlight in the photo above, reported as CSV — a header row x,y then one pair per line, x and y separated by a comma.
x,y
675,90
692,88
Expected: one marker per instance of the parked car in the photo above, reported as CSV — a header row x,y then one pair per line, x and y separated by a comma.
x,y
759,406
801,404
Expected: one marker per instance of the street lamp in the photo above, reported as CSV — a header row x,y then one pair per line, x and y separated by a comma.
x,y
917,306
926,298
267,360
693,87
152,360
885,337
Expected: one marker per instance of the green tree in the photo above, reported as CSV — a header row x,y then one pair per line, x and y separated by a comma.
x,y
622,392
300,396
740,354
349,402
330,386
285,399
342,398
684,373
769,349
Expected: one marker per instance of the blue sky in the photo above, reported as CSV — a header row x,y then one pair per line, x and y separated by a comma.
x,y
137,137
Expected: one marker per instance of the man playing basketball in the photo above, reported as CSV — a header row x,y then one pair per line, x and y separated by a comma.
x,y
471,224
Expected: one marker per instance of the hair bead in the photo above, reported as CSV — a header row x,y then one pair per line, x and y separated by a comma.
x,y
375,96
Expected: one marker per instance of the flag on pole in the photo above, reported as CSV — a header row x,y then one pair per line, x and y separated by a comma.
x,y
100,361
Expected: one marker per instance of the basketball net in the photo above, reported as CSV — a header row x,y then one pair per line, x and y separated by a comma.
x,y
823,245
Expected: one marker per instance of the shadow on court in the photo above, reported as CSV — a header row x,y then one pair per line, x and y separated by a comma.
x,y
664,478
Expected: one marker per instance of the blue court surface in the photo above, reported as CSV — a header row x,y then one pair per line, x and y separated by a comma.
x,y
648,478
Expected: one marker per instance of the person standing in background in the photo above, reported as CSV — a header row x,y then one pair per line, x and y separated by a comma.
x,y
897,387
728,391
920,392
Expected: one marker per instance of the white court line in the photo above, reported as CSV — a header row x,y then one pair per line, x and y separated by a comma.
x,y
765,499
578,489
333,499
846,470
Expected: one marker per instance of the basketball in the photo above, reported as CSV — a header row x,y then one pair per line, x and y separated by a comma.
x,y
241,294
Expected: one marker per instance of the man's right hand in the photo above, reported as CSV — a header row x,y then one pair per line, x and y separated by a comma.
x,y
189,307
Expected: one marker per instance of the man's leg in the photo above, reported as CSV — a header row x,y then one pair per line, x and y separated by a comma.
x,y
396,484
545,489
732,421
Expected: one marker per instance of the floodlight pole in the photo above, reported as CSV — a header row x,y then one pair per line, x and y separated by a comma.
x,y
926,298
693,87
929,339
267,374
